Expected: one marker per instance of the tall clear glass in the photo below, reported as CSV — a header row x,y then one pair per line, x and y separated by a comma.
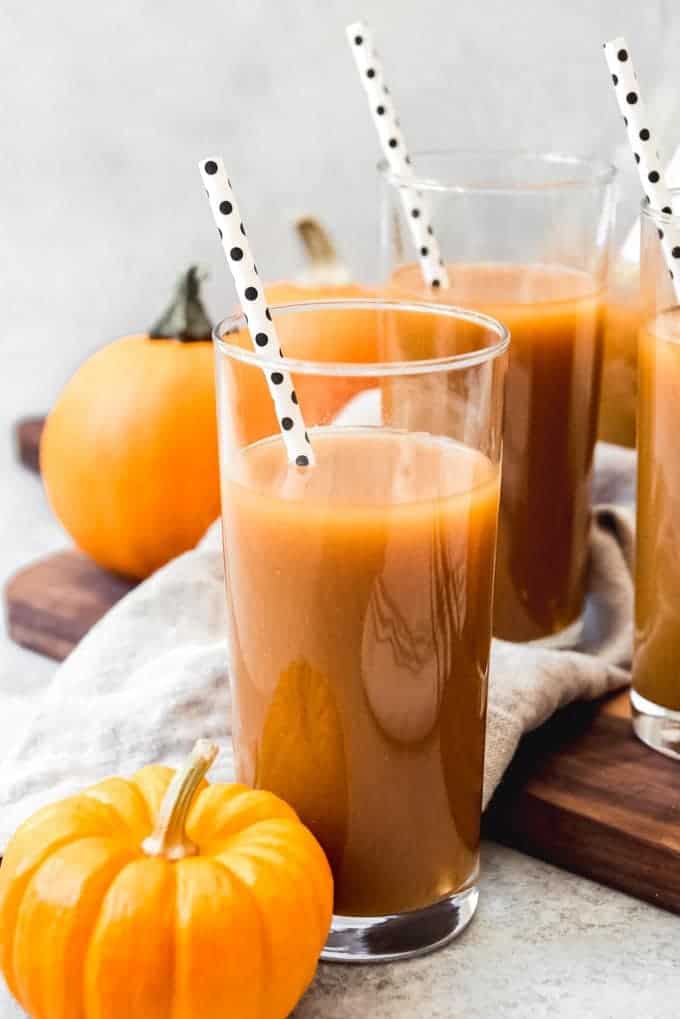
x,y
655,694
623,317
359,594
526,239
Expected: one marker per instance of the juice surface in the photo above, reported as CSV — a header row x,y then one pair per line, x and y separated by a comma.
x,y
656,662
360,619
555,317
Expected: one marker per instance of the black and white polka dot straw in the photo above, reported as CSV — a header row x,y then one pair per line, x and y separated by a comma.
x,y
642,138
251,294
396,154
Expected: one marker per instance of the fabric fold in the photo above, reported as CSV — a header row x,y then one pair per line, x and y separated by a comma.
x,y
151,676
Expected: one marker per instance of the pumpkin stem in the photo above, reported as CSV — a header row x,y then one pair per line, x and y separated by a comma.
x,y
325,265
170,838
185,318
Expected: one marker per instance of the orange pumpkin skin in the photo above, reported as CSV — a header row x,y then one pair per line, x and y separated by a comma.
x,y
347,336
348,342
93,928
129,453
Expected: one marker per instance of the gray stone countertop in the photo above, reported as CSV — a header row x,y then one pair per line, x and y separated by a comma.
x,y
543,944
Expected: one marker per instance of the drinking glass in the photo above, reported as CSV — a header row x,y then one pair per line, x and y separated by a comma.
x,y
525,237
618,396
359,600
655,694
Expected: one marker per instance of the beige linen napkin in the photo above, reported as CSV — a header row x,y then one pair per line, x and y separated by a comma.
x,y
151,677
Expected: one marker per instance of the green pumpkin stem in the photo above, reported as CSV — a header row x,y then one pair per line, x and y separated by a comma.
x,y
169,838
185,318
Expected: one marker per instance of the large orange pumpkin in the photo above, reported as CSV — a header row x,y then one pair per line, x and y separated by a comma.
x,y
129,451
163,898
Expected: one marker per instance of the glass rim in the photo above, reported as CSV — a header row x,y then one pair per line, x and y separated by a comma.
x,y
656,216
598,171
366,369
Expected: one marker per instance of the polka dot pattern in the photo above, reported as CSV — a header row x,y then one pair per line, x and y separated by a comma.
x,y
240,260
641,137
396,154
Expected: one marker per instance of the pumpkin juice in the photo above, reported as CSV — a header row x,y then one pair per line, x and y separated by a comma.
x,y
360,616
555,319
656,675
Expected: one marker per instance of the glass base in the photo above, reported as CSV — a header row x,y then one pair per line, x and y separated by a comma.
x,y
402,935
564,640
656,726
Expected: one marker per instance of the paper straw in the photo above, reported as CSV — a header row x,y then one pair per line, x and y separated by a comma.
x,y
630,249
396,154
249,287
643,144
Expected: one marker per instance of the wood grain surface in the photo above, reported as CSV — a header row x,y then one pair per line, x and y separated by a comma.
x,y
52,604
582,792
27,434
585,794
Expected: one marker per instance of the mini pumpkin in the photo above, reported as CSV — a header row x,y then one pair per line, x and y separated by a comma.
x,y
347,336
129,451
163,897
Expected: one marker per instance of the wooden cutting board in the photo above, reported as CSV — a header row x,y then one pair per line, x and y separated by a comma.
x,y
27,434
582,792
52,604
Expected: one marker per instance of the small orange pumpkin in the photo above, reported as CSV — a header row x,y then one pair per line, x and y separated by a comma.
x,y
346,336
129,451
163,898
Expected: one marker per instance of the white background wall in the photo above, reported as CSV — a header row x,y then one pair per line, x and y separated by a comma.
x,y
106,108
